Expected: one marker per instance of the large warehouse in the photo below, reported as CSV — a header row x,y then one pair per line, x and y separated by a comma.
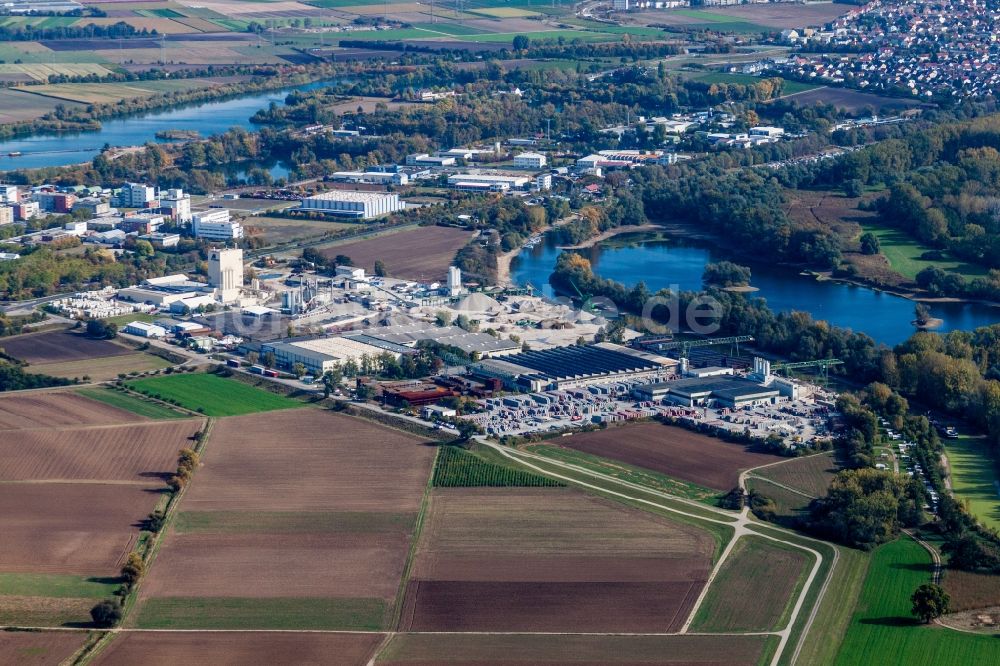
x,y
570,367
722,391
321,354
360,205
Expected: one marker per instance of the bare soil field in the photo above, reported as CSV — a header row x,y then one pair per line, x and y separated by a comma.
x,y
309,459
445,605
971,590
316,508
237,648
550,560
418,254
673,451
58,409
72,528
526,649
852,101
290,565
811,474
36,648
53,346
100,369
17,106
140,452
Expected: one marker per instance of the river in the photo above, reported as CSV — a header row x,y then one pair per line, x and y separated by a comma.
x,y
207,118
661,262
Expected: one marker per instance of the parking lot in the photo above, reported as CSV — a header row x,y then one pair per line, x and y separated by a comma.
x,y
798,421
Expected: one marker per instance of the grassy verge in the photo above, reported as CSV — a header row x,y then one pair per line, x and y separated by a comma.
x,y
56,585
131,403
903,253
288,522
256,613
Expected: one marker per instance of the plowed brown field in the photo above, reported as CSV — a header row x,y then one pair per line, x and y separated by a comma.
x,y
35,648
58,408
416,254
238,648
74,528
53,346
673,451
302,460
121,453
551,560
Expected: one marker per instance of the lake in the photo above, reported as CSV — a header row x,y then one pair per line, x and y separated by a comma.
x,y
662,262
207,118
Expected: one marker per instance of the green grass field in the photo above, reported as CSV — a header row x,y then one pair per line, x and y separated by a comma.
x,y
55,585
903,253
290,522
630,473
130,403
755,588
974,478
883,630
448,28
212,395
787,88
258,613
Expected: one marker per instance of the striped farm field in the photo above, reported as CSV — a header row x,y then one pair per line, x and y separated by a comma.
x,y
41,72
164,26
104,93
212,395
316,508
504,12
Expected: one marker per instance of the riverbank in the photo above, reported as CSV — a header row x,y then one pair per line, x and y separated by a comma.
x,y
611,233
504,259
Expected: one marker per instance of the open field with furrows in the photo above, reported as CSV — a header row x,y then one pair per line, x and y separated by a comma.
x,y
53,346
109,93
212,395
811,474
779,16
17,106
132,403
163,26
306,460
755,589
527,649
83,528
673,451
883,625
419,254
101,369
970,590
41,72
278,230
316,508
973,471
169,649
139,452
35,648
854,101
57,409
550,560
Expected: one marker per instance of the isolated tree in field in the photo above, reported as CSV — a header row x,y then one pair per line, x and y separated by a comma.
x,y
521,42
854,187
106,614
380,269
343,260
133,568
930,602
870,243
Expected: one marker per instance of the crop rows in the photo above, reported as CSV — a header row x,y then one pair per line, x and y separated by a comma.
x,y
457,468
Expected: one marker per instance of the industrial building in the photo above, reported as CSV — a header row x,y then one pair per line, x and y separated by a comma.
x,y
319,355
6,214
360,205
529,161
719,387
145,330
408,335
135,195
488,182
570,367
179,205
225,273
371,177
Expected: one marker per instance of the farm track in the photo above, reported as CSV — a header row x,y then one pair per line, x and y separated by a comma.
x,y
742,527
